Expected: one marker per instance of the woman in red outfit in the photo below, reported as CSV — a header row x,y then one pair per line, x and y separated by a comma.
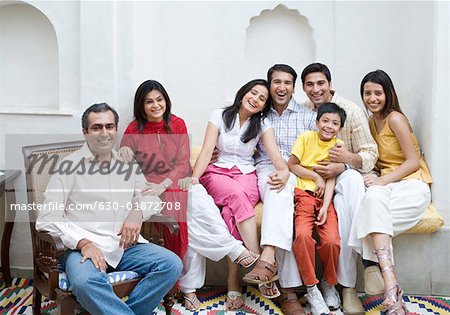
x,y
159,142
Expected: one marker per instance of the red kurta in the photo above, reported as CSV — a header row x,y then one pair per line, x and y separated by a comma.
x,y
164,155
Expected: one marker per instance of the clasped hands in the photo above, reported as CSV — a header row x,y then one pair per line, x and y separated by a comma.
x,y
278,179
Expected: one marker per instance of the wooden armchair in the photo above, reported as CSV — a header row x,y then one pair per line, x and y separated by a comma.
x,y
48,248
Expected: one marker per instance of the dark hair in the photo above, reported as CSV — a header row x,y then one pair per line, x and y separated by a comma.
x,y
283,68
230,112
97,108
139,99
380,77
316,67
334,109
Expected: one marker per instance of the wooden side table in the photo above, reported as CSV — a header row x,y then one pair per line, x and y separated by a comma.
x,y
7,190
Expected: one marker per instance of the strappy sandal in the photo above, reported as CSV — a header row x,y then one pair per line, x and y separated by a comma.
x,y
393,297
269,286
243,257
263,273
232,297
290,304
191,301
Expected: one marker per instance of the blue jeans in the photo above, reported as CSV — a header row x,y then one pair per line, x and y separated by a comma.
x,y
159,267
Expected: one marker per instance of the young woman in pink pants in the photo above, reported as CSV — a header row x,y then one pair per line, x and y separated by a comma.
x,y
231,180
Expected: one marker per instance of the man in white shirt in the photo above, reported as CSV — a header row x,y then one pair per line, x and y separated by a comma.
x,y
101,220
288,120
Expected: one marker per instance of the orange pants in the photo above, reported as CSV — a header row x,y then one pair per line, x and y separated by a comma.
x,y
306,211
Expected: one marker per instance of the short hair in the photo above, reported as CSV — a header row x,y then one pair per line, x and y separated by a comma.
x,y
282,68
98,108
139,100
316,67
334,109
382,78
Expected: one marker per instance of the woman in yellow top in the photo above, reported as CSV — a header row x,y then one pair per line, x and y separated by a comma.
x,y
399,194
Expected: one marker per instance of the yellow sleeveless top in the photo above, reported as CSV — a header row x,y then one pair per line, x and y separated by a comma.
x,y
391,155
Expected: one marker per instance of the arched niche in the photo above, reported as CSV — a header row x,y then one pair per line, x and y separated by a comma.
x,y
28,59
280,35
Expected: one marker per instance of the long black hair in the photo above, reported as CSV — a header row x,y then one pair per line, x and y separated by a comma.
x,y
382,78
139,100
230,112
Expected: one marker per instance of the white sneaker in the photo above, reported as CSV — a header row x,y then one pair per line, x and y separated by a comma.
x,y
330,295
315,299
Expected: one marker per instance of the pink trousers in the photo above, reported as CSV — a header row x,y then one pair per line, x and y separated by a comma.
x,y
234,192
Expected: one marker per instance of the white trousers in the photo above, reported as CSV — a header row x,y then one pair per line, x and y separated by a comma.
x,y
277,225
391,209
209,237
349,194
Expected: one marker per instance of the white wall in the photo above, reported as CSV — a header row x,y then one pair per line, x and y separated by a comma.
x,y
27,35
202,52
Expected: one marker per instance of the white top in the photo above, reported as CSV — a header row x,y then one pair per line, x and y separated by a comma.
x,y
90,202
233,152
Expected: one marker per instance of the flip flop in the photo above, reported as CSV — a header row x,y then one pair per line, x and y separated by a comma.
x,y
234,296
272,286
191,301
250,254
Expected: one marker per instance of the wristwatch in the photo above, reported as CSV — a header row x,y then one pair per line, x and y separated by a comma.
x,y
347,166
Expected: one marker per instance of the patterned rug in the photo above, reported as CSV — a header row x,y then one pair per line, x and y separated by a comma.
x,y
17,299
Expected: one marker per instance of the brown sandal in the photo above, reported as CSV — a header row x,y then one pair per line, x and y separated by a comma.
x,y
269,286
263,273
290,304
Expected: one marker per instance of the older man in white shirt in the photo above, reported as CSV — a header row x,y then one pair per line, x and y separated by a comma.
x,y
101,219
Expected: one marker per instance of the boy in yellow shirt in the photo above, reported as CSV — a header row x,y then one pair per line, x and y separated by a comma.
x,y
314,207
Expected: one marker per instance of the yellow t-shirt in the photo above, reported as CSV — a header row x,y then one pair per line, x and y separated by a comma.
x,y
310,150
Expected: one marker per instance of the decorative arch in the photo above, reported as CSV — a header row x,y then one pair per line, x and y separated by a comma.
x,y
28,59
280,35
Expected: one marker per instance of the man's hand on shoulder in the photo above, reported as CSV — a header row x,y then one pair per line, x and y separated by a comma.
x,y
126,154
131,229
328,169
90,251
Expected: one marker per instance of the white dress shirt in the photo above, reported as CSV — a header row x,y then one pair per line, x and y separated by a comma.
x,y
85,200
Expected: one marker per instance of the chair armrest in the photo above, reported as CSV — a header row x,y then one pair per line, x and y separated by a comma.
x,y
53,241
166,220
